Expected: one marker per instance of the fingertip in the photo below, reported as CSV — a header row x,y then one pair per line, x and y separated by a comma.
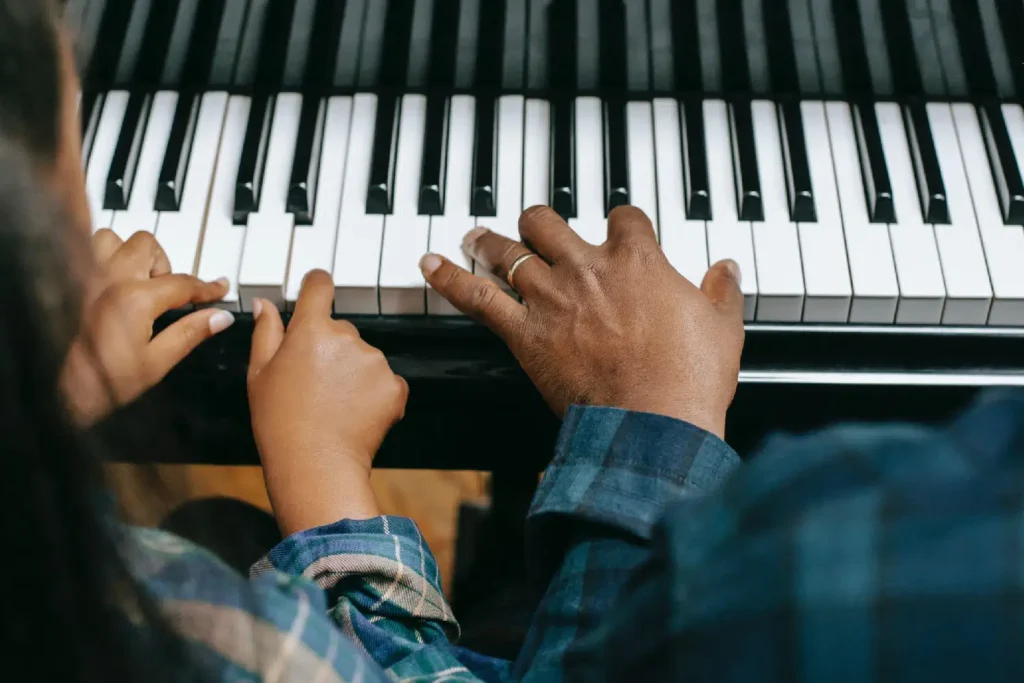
x,y
220,321
430,263
257,308
733,268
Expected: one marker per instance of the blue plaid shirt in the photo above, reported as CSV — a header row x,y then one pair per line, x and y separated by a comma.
x,y
855,554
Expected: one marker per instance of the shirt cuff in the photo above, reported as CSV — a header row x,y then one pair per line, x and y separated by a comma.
x,y
382,566
620,469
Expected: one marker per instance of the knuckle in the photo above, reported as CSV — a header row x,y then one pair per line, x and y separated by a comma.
x,y
509,253
482,298
450,278
347,329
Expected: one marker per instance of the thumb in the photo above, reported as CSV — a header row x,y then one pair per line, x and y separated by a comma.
x,y
266,337
722,286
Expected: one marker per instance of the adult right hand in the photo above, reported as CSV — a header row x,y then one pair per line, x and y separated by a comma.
x,y
610,325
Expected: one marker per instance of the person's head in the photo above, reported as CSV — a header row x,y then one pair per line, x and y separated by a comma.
x,y
39,101
64,583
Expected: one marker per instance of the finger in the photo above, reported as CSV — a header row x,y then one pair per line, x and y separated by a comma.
x,y
267,337
630,224
722,286
176,342
141,257
169,292
105,244
316,296
477,297
550,236
498,254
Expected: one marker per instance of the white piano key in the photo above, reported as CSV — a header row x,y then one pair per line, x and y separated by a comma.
x,y
406,234
1004,246
876,290
358,248
780,280
828,291
536,154
447,231
511,152
640,146
180,232
968,290
728,237
590,222
141,215
104,143
313,245
684,241
922,291
90,128
221,253
268,235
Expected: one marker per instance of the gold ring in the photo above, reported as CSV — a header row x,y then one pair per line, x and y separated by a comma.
x,y
512,269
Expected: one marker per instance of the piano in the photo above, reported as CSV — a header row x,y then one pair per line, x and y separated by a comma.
x,y
862,160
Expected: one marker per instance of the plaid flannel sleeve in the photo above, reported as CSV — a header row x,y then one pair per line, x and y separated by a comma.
x,y
589,527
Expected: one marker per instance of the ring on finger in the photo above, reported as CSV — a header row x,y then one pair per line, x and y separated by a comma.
x,y
515,265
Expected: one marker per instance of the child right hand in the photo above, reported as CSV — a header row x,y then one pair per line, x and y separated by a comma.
x,y
322,401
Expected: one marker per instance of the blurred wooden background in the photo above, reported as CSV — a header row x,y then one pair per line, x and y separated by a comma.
x,y
432,498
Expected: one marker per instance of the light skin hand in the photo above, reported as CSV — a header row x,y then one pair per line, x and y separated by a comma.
x,y
116,358
611,325
322,400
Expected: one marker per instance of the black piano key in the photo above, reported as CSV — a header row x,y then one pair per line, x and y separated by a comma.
x,y
490,45
744,153
330,20
695,158
733,45
686,57
616,156
306,163
443,41
301,42
973,48
614,68
254,152
394,61
563,159
877,186
485,158
250,44
435,153
91,108
171,183
132,40
126,153
853,59
900,42
86,34
1005,172
155,43
798,170
385,151
926,165
109,41
217,67
1011,20
562,58
185,26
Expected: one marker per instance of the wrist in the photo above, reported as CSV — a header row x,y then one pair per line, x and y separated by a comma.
x,y
309,490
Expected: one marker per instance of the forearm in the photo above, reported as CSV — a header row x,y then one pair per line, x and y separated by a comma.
x,y
591,522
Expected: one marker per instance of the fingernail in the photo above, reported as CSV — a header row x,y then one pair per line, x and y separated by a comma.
x,y
222,281
257,307
734,270
220,321
471,237
429,263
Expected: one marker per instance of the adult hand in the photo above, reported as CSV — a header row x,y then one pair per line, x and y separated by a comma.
x,y
614,325
116,358
322,401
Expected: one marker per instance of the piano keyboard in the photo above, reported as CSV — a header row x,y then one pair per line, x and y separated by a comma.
x,y
865,211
